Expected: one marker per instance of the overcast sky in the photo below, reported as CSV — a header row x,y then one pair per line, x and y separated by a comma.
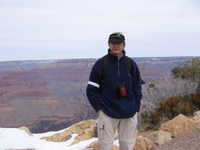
x,y
60,29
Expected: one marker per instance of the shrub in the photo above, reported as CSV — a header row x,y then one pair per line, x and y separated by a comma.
x,y
189,70
169,108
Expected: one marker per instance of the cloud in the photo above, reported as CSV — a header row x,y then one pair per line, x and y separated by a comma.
x,y
50,26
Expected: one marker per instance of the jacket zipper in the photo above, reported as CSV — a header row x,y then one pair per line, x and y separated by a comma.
x,y
118,67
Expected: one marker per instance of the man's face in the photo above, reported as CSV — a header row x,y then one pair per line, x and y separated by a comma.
x,y
116,48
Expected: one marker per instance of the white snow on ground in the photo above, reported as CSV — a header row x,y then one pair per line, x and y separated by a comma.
x,y
48,133
11,138
16,138
116,143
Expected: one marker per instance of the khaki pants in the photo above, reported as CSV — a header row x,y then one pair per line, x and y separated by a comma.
x,y
108,126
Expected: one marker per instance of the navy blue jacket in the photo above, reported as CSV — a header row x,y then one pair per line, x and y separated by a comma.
x,y
101,93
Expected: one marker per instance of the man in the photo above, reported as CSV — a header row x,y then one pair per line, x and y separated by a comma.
x,y
114,91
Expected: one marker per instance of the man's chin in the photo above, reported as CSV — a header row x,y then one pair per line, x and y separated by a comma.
x,y
115,52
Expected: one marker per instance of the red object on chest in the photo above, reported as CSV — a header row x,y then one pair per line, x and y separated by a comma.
x,y
123,91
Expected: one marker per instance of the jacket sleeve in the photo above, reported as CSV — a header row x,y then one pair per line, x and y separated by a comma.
x,y
137,85
93,87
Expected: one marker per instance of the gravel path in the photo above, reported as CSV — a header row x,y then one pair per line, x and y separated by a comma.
x,y
187,142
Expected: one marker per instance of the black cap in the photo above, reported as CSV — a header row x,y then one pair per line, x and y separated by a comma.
x,y
116,38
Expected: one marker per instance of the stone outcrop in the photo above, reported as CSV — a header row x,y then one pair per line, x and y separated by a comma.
x,y
143,143
196,118
26,129
85,130
179,126
96,146
160,137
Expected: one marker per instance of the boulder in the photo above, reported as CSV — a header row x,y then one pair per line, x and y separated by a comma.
x,y
179,126
26,129
85,129
87,134
143,143
160,137
95,146
196,118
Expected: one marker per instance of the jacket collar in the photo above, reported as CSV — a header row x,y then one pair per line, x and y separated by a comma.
x,y
114,56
